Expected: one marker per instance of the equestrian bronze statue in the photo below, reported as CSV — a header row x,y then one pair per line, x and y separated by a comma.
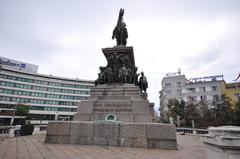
x,y
120,68
120,31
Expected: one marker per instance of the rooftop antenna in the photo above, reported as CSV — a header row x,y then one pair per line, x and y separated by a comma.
x,y
179,71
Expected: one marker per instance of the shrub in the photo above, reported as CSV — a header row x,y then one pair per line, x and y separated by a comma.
x,y
27,129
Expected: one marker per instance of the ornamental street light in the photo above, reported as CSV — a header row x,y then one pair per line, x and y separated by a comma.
x,y
13,114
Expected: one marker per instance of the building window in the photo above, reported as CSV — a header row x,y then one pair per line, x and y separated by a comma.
x,y
191,90
14,99
192,99
26,93
168,91
5,98
208,89
167,84
203,98
202,89
216,98
179,91
7,91
179,83
11,77
214,88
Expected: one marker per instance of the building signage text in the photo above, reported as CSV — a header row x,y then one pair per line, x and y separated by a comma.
x,y
11,63
207,78
17,65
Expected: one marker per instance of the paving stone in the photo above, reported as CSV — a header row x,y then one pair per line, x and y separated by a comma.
x,y
22,151
32,149
162,144
190,147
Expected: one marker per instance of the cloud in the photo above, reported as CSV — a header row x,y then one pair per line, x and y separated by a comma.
x,y
65,37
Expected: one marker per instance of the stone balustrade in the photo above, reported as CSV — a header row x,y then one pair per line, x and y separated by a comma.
x,y
223,142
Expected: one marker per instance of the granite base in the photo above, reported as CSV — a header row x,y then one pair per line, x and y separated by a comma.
x,y
122,134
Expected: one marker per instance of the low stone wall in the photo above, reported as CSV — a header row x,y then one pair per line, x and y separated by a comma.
x,y
122,134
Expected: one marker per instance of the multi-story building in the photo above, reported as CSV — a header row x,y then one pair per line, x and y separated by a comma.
x,y
232,90
49,97
171,88
208,89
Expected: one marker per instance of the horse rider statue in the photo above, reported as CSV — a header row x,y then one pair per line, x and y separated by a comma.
x,y
120,31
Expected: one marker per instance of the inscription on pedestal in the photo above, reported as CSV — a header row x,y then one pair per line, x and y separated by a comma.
x,y
112,107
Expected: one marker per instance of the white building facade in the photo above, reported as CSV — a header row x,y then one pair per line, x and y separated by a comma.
x,y
207,89
49,97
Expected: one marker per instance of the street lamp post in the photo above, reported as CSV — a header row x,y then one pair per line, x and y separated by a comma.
x,y
13,115
12,129
69,115
56,115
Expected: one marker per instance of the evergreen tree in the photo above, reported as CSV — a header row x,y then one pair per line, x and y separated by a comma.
x,y
176,108
22,109
236,114
191,113
222,112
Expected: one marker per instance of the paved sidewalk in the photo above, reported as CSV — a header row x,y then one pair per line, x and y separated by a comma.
x,y
33,147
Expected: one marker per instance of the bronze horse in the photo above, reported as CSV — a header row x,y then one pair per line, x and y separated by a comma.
x,y
120,31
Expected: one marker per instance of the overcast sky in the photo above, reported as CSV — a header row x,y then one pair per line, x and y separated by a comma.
x,y
65,37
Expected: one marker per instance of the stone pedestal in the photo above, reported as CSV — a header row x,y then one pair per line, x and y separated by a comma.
x,y
223,142
123,100
133,126
120,51
122,134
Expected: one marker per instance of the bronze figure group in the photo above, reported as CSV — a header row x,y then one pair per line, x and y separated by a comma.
x,y
118,70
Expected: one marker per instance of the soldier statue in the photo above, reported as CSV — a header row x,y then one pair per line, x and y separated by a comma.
x,y
143,84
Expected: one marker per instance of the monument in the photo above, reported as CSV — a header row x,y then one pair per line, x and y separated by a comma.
x,y
117,112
